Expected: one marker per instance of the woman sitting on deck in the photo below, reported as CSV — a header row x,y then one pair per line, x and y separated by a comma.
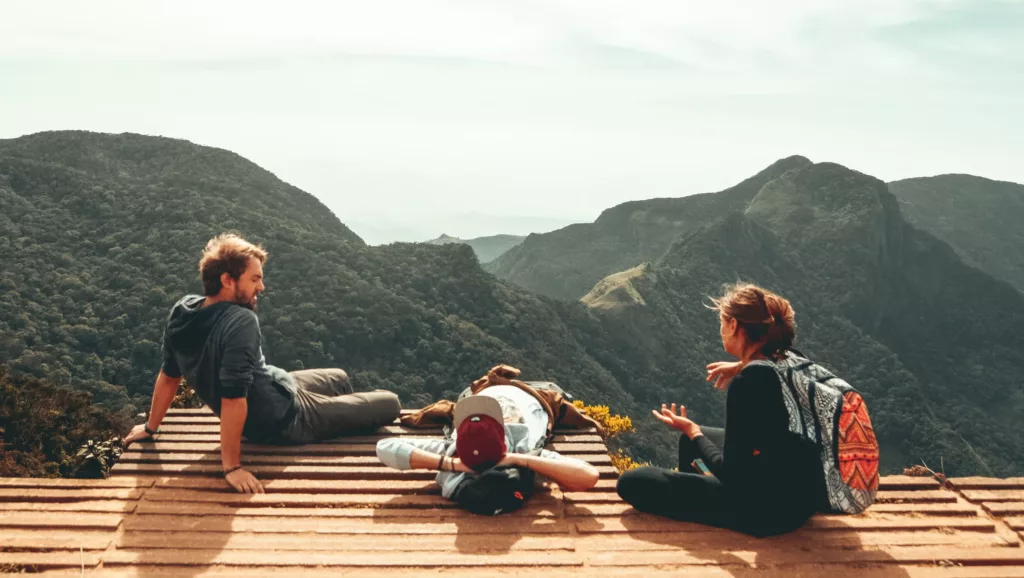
x,y
767,467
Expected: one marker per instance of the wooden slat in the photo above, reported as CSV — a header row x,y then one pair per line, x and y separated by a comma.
x,y
927,509
334,449
214,428
199,458
1004,508
204,410
189,419
994,495
216,484
906,483
915,496
62,495
339,542
896,554
387,525
645,523
384,430
56,539
380,472
1016,523
34,561
88,506
308,500
345,559
368,472
434,514
310,486
802,539
923,509
567,436
788,571
312,500
73,483
605,485
900,523
298,460
592,498
59,520
979,483
939,496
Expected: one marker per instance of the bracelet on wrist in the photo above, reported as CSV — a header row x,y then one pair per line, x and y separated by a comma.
x,y
151,432
230,470
440,462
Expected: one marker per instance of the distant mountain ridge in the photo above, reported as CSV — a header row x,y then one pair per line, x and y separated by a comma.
x,y
567,263
486,248
982,219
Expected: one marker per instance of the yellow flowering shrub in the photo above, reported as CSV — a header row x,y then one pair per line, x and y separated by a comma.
x,y
613,425
624,462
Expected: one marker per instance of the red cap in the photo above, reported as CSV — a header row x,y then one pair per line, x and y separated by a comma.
x,y
480,442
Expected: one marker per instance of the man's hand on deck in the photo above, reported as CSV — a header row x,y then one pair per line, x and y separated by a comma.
x,y
137,434
244,482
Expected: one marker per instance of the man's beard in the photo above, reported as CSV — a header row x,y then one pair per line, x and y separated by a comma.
x,y
248,303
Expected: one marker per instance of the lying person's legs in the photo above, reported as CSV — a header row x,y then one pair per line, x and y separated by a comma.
x,y
329,408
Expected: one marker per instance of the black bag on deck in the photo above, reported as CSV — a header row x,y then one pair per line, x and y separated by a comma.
x,y
497,490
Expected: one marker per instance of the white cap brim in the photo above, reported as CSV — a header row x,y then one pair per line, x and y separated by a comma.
x,y
478,405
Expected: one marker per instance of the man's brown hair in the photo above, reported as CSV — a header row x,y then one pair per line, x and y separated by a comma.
x,y
227,253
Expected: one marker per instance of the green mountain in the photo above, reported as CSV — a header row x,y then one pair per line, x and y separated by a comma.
x,y
100,234
486,248
568,262
927,338
980,218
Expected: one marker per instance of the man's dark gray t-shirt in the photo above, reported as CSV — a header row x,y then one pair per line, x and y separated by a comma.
x,y
218,351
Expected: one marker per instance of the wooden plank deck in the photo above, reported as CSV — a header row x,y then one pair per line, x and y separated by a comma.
x,y
330,509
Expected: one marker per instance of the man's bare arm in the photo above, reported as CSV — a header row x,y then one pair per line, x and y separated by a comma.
x,y
571,474
233,412
163,394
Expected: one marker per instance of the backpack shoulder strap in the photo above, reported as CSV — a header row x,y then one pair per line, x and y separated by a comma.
x,y
784,369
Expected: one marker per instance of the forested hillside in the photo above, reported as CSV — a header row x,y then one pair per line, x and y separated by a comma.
x,y
982,219
100,234
928,339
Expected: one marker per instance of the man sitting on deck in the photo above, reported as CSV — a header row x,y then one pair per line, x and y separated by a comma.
x,y
215,342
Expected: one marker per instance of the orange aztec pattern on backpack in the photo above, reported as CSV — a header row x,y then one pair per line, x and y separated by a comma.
x,y
858,447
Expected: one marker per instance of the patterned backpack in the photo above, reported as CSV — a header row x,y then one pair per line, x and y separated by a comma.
x,y
830,413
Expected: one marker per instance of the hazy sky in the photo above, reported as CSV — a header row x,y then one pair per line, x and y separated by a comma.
x,y
409,119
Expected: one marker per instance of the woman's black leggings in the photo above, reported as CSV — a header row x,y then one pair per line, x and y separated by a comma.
x,y
694,497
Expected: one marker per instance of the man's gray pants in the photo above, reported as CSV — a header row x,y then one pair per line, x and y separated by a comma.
x,y
329,408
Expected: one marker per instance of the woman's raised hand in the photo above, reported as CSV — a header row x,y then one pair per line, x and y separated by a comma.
x,y
677,419
722,372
